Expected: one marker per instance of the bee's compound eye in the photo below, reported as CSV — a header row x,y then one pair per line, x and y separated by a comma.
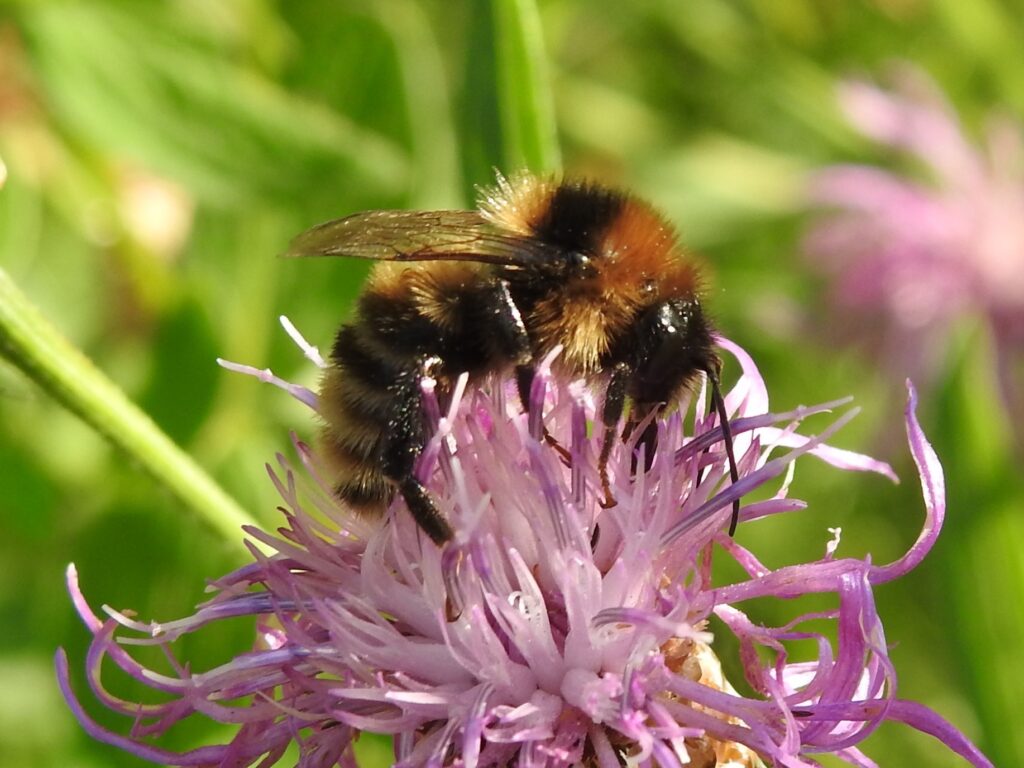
x,y
580,263
578,259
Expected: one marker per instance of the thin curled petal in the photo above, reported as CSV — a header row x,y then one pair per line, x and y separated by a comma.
x,y
933,487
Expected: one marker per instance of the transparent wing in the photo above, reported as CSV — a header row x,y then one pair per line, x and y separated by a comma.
x,y
421,236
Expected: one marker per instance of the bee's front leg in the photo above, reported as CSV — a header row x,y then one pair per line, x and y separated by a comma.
x,y
611,412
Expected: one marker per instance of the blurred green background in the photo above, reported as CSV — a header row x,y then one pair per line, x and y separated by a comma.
x,y
160,154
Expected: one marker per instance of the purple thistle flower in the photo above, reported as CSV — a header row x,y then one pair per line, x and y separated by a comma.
x,y
911,256
550,631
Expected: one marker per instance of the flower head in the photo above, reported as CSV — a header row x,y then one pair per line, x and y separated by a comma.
x,y
550,631
911,254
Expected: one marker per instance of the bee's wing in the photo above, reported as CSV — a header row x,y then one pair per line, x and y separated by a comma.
x,y
421,236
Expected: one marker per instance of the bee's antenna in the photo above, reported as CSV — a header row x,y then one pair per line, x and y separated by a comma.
x,y
719,404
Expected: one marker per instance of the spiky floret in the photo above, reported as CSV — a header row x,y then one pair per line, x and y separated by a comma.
x,y
550,632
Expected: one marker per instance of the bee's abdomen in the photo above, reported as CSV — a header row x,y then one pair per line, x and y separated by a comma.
x,y
357,399
370,394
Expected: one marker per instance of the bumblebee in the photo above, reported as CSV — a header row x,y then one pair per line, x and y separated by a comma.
x,y
542,263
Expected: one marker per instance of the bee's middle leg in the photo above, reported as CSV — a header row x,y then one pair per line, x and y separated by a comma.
x,y
514,344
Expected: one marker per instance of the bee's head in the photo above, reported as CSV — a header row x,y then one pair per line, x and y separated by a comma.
x,y
673,344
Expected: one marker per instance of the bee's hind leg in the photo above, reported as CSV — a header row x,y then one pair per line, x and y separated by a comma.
x,y
402,445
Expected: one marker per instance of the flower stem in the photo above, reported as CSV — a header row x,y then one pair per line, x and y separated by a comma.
x,y
36,347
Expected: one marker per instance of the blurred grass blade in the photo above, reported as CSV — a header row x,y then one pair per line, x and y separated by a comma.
x,y
983,563
524,87
480,127
32,344
987,589
434,165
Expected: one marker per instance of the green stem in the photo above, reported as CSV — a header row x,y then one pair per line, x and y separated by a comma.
x,y
526,103
32,344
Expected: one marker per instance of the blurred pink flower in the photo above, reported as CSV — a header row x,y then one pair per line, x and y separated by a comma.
x,y
910,254
550,631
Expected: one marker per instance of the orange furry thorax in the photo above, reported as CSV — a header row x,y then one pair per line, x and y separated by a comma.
x,y
637,261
